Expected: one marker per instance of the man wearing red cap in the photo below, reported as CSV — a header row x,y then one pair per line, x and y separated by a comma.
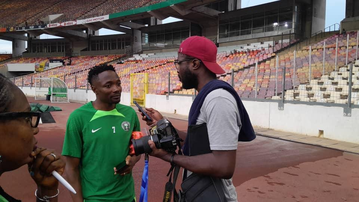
x,y
217,119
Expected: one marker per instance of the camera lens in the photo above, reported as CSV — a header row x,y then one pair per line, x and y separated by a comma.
x,y
141,145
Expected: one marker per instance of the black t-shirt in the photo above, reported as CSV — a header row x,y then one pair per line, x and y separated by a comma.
x,y
7,196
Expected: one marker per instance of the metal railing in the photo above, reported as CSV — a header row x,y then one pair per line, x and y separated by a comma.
x,y
331,28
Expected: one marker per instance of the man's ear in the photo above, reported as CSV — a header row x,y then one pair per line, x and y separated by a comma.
x,y
196,64
94,89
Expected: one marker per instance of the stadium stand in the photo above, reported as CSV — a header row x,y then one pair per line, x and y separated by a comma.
x,y
238,62
244,80
242,61
315,90
154,67
76,71
333,88
160,64
4,57
28,60
13,14
72,10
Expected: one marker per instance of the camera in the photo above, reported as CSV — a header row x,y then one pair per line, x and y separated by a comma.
x,y
164,135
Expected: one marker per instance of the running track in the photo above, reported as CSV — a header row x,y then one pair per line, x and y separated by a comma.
x,y
267,170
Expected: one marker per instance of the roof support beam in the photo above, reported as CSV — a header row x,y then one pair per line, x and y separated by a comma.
x,y
92,27
75,33
207,11
132,25
115,27
180,10
157,15
12,35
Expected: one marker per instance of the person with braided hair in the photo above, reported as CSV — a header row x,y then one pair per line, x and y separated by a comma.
x,y
18,146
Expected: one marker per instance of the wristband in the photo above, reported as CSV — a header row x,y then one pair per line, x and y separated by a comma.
x,y
47,198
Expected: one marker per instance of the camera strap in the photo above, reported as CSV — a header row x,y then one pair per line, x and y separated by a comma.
x,y
168,191
171,187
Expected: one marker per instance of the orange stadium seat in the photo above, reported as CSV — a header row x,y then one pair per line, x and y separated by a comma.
x,y
78,69
241,62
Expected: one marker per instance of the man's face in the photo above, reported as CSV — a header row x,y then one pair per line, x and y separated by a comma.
x,y
107,87
186,76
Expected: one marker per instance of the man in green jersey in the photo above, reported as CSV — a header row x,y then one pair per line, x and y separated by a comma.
x,y
97,140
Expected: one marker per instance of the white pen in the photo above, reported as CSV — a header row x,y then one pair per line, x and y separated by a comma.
x,y
63,181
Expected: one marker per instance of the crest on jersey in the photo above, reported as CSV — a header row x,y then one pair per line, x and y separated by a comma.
x,y
125,126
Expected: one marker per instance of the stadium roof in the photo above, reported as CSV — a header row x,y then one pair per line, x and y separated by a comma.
x,y
191,10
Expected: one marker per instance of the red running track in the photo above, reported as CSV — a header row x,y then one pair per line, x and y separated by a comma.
x,y
267,170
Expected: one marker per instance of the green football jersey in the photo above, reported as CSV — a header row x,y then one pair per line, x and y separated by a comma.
x,y
101,140
2,199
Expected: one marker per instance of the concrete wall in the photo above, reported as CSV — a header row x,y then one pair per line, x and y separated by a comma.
x,y
351,8
267,36
318,16
21,67
6,73
350,24
231,5
306,120
239,4
296,118
137,45
174,104
18,47
77,46
210,32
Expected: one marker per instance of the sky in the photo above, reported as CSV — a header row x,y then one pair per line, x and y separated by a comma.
x,y
335,12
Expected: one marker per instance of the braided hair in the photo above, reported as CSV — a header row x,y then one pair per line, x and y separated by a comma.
x,y
6,95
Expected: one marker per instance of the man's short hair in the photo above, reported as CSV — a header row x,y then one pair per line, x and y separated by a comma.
x,y
95,71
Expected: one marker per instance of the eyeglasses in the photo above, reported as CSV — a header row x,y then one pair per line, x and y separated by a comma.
x,y
32,117
178,63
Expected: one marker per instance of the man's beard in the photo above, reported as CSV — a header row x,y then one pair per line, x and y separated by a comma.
x,y
189,80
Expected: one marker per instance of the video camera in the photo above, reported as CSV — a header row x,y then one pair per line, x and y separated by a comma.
x,y
164,135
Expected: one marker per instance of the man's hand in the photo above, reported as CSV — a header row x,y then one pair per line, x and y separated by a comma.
x,y
154,114
159,153
130,163
219,164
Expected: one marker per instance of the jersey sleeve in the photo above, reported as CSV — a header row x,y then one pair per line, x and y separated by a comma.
x,y
137,126
73,138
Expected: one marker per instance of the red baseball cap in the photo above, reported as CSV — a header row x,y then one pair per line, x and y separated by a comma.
x,y
204,49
